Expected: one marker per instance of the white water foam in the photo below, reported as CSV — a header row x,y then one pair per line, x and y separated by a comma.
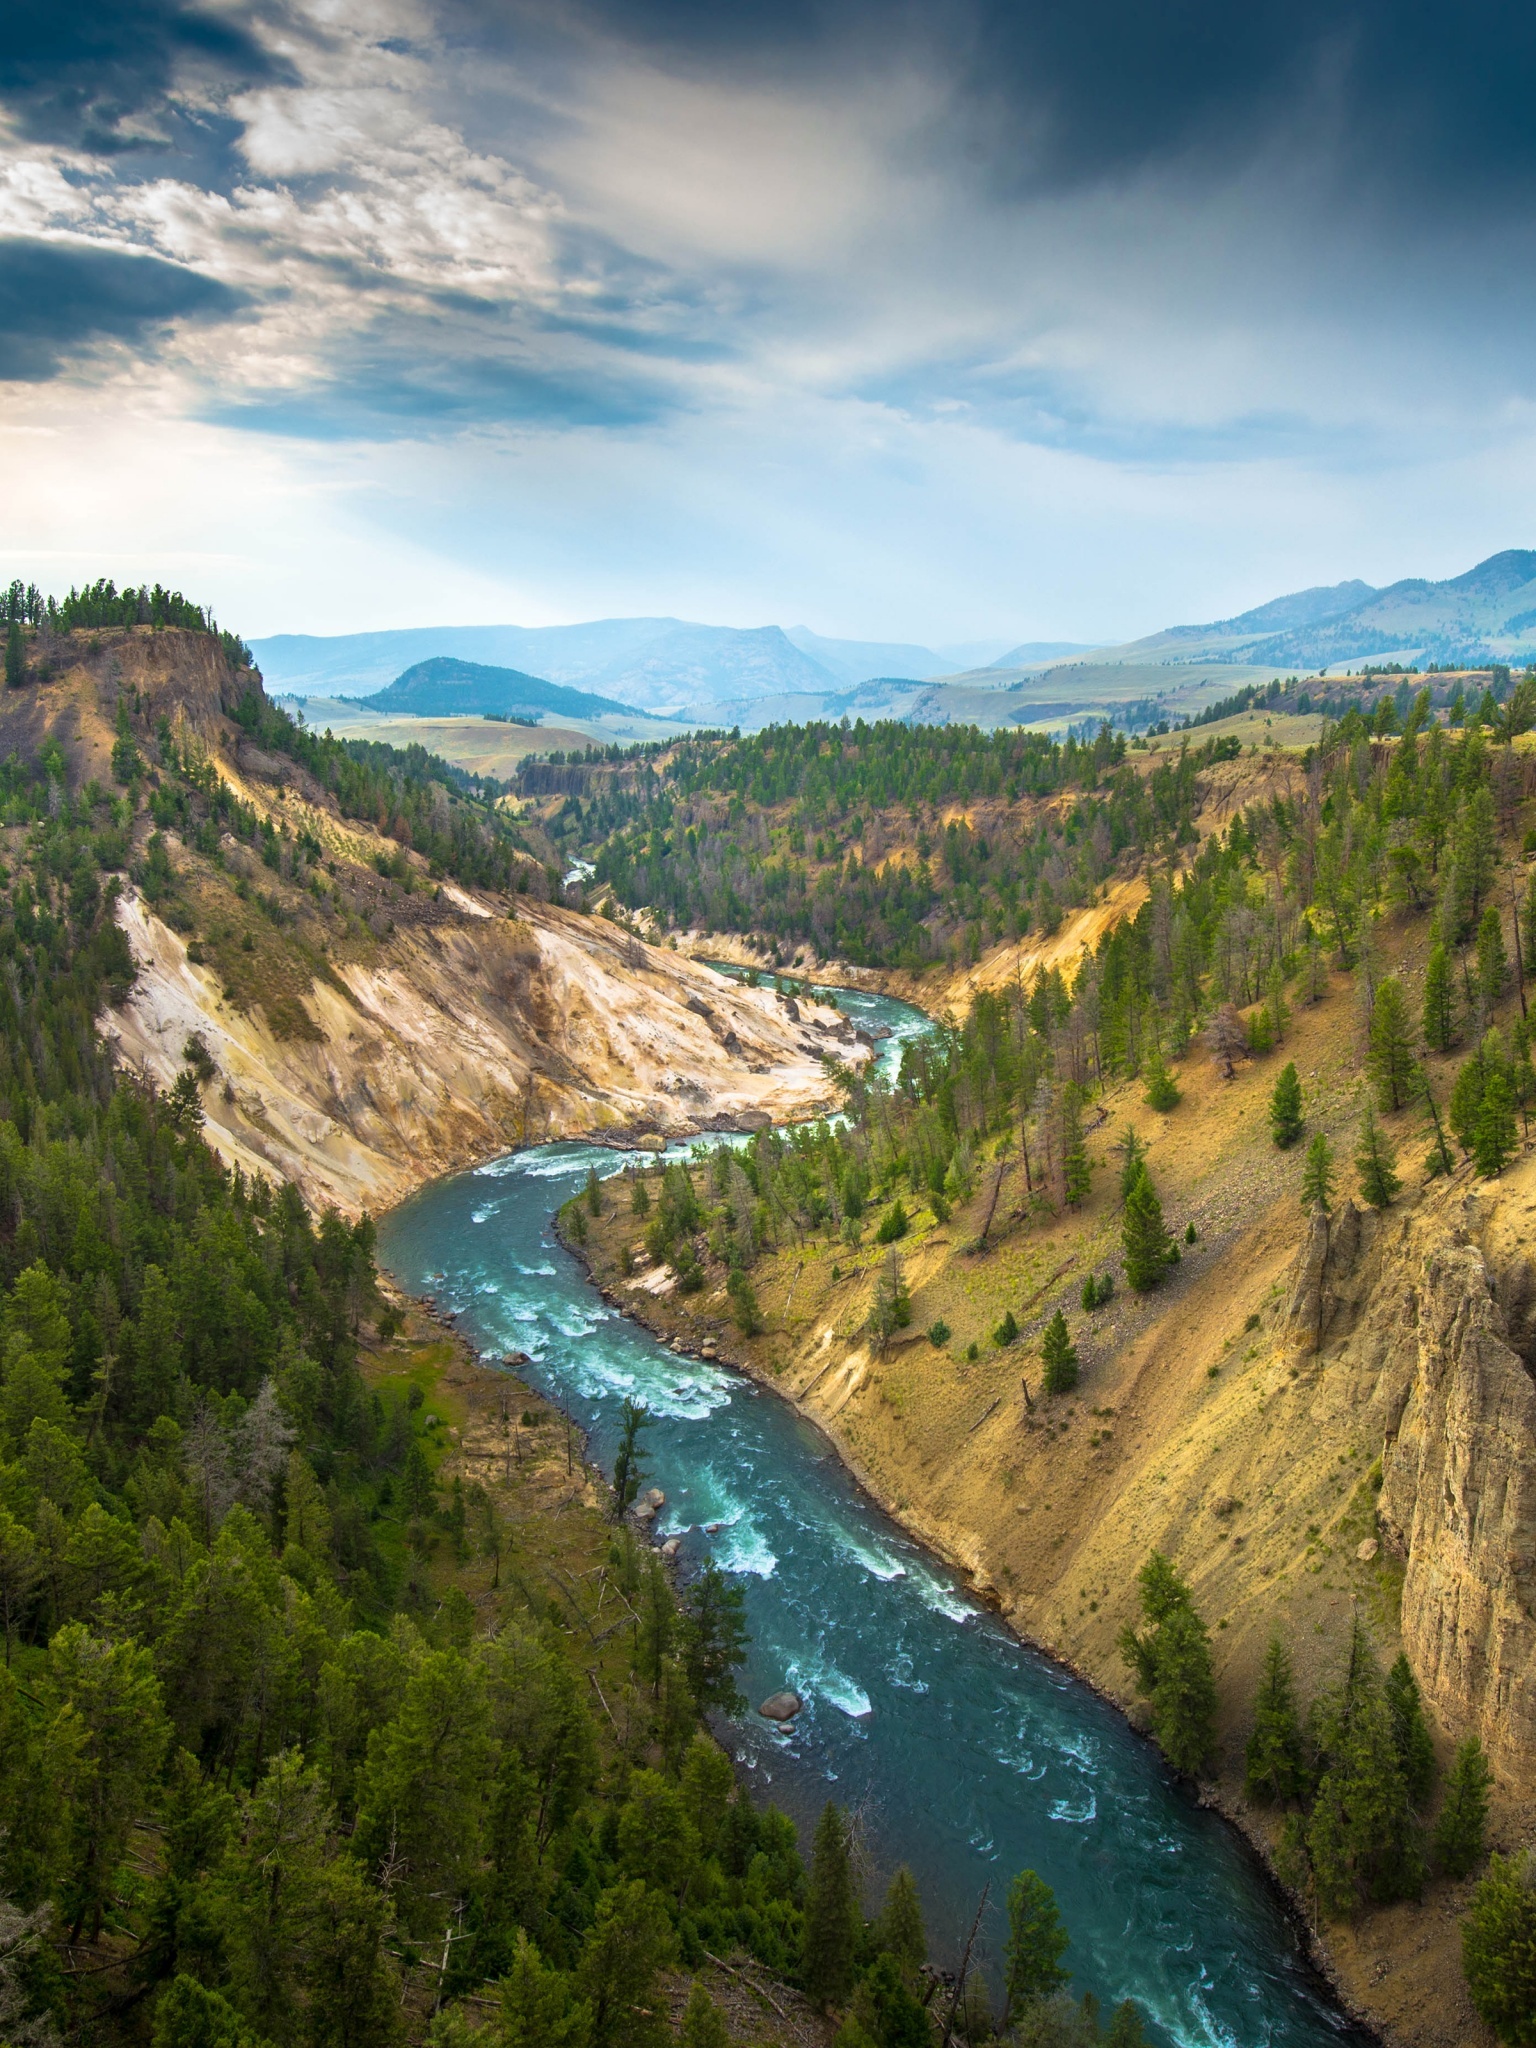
x,y
875,1562
848,1698
902,1672
941,1599
1078,1815
744,1551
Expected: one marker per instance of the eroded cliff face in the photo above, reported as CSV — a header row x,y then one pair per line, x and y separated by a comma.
x,y
1459,1501
360,1023
469,1036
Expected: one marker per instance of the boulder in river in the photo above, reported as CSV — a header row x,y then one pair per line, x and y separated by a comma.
x,y
654,1497
644,1512
671,1547
781,1706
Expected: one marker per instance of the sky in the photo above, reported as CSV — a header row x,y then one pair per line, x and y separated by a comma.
x,y
996,319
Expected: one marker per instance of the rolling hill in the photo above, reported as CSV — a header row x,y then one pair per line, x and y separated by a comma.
x,y
445,686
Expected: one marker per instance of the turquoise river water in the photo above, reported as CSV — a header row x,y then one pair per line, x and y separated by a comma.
x,y
962,1752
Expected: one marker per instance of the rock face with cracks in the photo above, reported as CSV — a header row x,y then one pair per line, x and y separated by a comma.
x,y
1459,1499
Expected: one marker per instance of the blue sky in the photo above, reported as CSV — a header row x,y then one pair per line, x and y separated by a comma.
x,y
931,323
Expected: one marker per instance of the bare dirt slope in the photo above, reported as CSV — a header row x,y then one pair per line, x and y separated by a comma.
x,y
363,1031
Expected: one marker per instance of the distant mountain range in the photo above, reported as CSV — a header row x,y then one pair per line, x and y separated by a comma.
x,y
445,687
708,673
727,675
1488,614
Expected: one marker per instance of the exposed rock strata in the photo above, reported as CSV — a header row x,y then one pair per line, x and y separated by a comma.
x,y
470,1037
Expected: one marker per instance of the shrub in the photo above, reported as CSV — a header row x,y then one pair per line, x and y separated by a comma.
x,y
893,1224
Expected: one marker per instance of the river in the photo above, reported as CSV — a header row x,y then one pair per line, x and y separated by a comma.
x,y
961,1752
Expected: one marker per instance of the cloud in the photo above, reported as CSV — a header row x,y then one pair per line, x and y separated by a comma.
x,y
59,301
1428,101
102,75
817,293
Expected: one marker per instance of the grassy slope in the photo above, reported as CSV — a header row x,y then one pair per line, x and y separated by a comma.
x,y
1194,1429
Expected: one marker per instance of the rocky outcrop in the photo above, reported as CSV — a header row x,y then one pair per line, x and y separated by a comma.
x,y
1326,1261
1459,1500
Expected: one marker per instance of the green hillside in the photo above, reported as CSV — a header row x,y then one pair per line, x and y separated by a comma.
x,y
447,687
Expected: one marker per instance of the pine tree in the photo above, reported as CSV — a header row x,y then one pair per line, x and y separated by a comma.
x,y
1498,1949
712,1635
1162,1090
1132,1152
749,1318
1362,1837
594,1192
1276,1758
1076,1172
1059,1355
1376,1162
1439,1001
831,1926
1439,1160
1410,1733
1279,1013
1467,1099
1172,1662
622,1951
628,1469
703,2022
1144,1241
1391,1059
887,2011
891,1308
1476,849
1494,1137
1125,2029
1464,1816
640,1199
1285,1122
1184,1696
1317,1177
1492,959
899,1929
1037,1941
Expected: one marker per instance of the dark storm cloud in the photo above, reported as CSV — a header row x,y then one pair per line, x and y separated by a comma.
x,y
1420,98
58,301
99,75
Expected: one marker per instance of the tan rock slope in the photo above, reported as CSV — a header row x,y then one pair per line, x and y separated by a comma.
x,y
366,1031
485,1032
